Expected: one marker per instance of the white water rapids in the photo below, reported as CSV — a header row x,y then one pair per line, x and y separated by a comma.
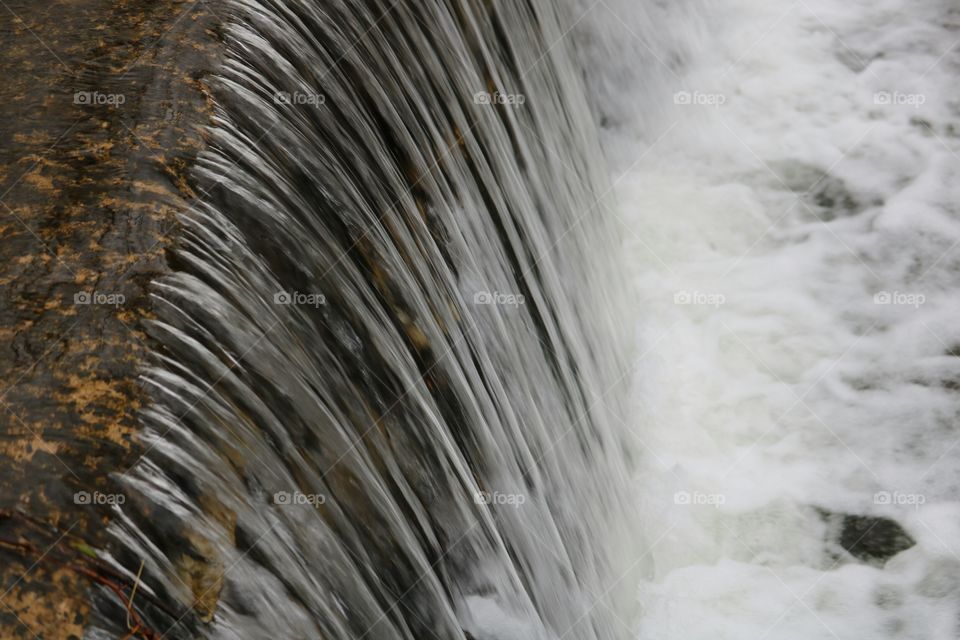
x,y
787,174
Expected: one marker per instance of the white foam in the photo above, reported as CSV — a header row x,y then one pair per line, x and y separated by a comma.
x,y
787,385
487,619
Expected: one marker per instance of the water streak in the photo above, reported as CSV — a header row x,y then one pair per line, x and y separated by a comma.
x,y
388,397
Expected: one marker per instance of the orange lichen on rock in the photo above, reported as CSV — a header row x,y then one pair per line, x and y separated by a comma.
x,y
88,209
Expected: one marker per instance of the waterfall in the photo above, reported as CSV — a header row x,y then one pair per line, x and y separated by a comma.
x,y
388,399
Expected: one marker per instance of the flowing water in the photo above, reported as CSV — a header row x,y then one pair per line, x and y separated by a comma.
x,y
393,398
389,398
787,173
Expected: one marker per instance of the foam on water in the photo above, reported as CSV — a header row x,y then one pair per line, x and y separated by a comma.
x,y
788,182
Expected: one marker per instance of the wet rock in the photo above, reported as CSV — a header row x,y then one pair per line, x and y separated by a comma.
x,y
869,539
101,117
872,539
826,195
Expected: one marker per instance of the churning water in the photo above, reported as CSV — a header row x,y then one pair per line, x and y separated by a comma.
x,y
392,383
788,175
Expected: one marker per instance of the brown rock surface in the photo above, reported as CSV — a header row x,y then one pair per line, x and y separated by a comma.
x,y
101,113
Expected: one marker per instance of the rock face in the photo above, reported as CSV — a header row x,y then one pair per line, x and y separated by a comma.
x,y
101,113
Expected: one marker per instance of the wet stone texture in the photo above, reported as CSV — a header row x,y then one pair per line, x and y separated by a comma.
x,y
102,105
874,540
871,540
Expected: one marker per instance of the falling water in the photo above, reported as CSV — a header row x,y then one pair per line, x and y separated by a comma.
x,y
387,399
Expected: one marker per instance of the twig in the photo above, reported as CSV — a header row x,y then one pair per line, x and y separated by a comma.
x,y
98,573
133,591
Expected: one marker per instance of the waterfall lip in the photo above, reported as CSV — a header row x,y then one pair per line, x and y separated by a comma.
x,y
353,301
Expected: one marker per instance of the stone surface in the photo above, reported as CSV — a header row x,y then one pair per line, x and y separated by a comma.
x,y
873,539
101,112
868,539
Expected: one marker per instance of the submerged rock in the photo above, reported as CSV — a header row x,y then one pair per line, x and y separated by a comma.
x,y
827,196
873,539
869,539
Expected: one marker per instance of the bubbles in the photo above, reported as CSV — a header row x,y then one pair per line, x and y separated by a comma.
x,y
806,173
